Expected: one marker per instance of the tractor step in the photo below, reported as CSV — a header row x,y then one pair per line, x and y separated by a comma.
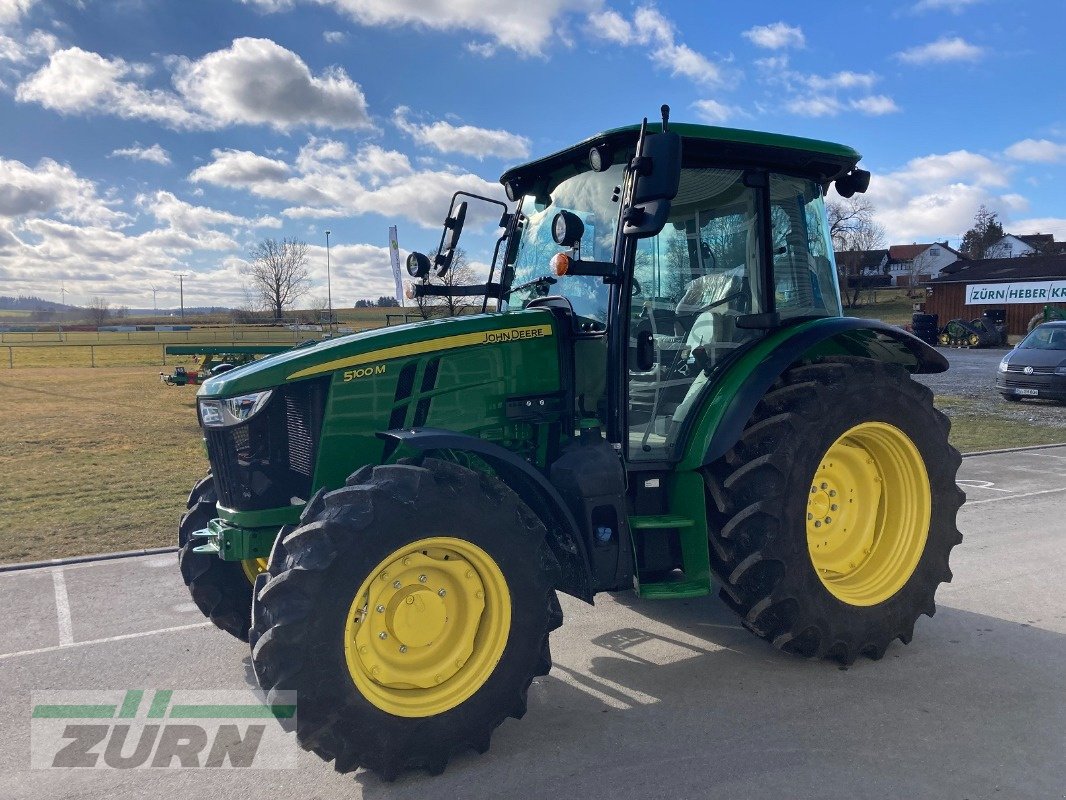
x,y
674,589
655,521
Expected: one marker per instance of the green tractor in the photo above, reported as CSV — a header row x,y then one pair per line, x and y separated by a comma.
x,y
665,399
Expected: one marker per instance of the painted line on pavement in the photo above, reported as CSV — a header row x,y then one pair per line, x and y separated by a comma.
x,y
106,640
1012,497
66,627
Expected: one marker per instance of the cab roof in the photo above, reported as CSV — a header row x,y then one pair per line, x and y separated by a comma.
x,y
707,145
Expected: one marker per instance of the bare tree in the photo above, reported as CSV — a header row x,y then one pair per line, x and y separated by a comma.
x,y
278,274
460,273
854,231
98,311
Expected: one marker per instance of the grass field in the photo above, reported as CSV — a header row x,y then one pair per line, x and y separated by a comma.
x,y
94,460
974,427
98,460
890,305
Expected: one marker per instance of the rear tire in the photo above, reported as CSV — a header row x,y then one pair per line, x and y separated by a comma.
x,y
220,589
310,613
760,498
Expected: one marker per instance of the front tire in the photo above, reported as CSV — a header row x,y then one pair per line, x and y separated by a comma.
x,y
222,590
813,574
410,611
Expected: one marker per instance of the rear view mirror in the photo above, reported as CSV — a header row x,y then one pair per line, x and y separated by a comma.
x,y
855,182
453,227
658,176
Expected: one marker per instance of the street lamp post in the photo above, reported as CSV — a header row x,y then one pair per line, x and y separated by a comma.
x,y
329,287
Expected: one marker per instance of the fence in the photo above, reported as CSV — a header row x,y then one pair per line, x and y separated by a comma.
x,y
95,355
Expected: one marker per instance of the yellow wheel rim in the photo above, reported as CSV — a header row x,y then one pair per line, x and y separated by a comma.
x,y
868,514
252,567
427,627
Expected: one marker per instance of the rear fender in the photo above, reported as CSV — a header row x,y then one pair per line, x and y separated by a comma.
x,y
564,536
731,399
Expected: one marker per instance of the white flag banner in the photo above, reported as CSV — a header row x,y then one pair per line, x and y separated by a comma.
x,y
394,254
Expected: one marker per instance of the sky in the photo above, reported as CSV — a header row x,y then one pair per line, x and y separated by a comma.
x,y
140,139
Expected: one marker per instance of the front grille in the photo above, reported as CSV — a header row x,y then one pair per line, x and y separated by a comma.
x,y
1036,370
1019,383
269,460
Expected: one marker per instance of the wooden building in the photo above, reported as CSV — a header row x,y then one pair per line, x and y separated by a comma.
x,y
1021,286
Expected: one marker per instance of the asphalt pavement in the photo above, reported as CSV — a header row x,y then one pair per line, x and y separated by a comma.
x,y
646,699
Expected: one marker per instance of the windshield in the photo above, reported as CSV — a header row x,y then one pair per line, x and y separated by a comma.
x,y
593,197
1045,337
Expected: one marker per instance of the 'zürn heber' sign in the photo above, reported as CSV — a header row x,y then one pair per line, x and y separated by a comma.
x,y
992,294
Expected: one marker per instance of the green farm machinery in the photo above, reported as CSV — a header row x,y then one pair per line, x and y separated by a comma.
x,y
664,399
214,360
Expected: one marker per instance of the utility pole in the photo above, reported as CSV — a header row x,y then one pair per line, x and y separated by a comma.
x,y
181,292
329,287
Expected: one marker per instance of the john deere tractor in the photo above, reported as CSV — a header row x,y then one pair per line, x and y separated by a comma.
x,y
664,398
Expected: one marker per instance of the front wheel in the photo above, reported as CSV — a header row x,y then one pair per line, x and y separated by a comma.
x,y
833,517
410,611
222,590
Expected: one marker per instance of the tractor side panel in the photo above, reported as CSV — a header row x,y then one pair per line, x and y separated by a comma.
x,y
462,389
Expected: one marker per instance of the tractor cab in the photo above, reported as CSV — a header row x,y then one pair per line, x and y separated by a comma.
x,y
673,250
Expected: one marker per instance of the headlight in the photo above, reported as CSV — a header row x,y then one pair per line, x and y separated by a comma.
x,y
1003,365
232,410
1060,369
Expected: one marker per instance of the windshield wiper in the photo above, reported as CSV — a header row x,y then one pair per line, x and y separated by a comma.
x,y
545,280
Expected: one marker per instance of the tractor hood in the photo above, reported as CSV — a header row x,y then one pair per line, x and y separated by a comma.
x,y
369,349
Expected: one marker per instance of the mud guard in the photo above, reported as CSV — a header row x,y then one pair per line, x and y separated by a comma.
x,y
564,536
834,336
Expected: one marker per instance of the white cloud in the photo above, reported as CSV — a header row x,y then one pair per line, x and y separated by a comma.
x,y
77,81
954,6
185,217
52,188
372,181
23,49
942,50
240,168
814,106
936,196
252,82
715,113
522,27
335,37
652,31
840,80
257,81
465,139
1037,150
875,105
155,154
12,10
776,36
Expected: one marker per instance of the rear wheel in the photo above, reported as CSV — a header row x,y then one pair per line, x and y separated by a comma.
x,y
834,515
222,590
410,611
